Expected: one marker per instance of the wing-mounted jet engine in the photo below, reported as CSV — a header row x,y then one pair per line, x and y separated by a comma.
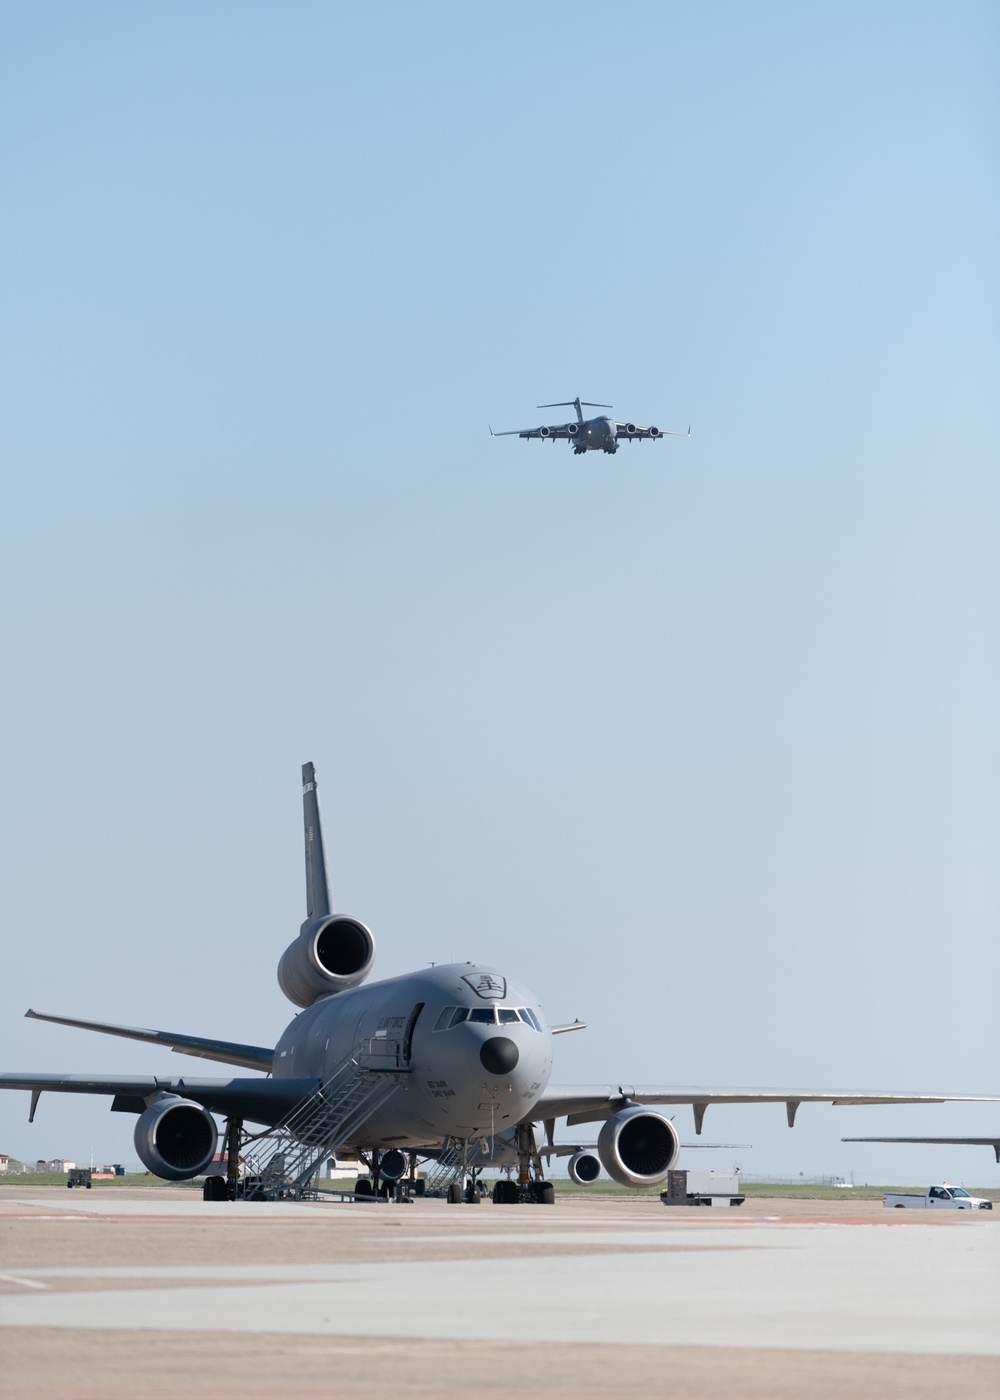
x,y
638,1146
175,1138
584,1167
332,952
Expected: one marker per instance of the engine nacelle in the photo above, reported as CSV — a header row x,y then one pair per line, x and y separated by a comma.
x,y
175,1138
584,1168
654,432
638,1146
544,432
330,955
394,1165
573,430
630,428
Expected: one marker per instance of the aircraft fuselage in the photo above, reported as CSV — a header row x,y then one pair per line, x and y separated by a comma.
x,y
462,1075
596,434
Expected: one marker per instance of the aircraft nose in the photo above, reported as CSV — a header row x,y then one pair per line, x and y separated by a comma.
x,y
498,1055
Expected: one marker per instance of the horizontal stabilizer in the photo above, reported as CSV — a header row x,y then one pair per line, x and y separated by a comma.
x,y
227,1052
993,1142
565,1149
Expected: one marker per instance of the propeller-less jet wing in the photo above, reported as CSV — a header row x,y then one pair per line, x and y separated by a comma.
x,y
588,1104
262,1100
993,1142
452,1062
590,434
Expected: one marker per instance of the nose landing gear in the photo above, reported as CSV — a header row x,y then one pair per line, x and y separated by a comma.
x,y
509,1193
530,1188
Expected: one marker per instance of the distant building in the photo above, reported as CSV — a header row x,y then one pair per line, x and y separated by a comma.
x,y
4,1162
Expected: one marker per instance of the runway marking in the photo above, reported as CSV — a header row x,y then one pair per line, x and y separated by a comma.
x,y
22,1282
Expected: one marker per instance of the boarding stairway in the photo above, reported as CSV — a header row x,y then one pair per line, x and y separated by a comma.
x,y
446,1169
282,1162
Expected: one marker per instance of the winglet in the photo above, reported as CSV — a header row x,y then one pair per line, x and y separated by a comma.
x,y
318,902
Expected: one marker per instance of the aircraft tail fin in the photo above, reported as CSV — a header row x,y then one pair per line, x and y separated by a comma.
x,y
578,404
318,901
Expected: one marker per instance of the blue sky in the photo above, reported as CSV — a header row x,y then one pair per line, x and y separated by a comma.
x,y
701,741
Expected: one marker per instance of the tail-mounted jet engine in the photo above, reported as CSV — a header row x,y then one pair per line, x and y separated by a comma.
x,y
584,1168
330,955
175,1138
638,1146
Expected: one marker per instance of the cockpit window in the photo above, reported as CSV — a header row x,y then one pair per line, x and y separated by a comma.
x,y
486,1016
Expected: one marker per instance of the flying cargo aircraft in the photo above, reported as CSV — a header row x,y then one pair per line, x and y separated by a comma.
x,y
461,1057
589,434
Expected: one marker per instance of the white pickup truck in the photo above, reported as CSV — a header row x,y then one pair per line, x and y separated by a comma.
x,y
939,1198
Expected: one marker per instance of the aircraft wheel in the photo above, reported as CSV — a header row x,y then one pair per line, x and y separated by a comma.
x,y
69,1186
543,1193
363,1187
455,1193
505,1193
88,1185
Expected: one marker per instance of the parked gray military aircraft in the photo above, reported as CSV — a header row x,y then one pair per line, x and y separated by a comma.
x,y
589,434
463,1050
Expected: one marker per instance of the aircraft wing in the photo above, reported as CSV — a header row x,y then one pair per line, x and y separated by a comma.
x,y
262,1100
557,430
993,1142
590,1103
629,432
227,1052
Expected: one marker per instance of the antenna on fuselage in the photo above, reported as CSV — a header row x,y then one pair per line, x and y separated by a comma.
x,y
578,404
318,901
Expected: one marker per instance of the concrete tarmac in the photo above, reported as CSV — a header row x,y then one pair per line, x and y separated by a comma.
x,y
154,1293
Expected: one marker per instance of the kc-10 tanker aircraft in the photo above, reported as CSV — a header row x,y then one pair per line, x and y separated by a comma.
x,y
466,1049
601,434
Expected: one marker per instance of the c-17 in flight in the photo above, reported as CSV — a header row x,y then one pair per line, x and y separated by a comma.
x,y
454,1060
590,434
